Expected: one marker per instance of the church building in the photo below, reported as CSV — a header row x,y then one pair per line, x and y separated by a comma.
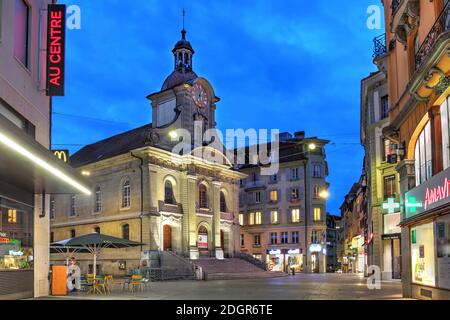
x,y
144,189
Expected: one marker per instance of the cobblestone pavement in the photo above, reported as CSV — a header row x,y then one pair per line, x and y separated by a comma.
x,y
298,287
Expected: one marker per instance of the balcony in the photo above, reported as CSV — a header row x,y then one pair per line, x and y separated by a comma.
x,y
228,216
405,18
170,208
441,26
379,46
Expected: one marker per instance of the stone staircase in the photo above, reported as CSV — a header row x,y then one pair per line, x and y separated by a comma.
x,y
230,269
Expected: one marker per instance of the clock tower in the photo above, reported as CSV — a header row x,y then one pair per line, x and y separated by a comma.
x,y
185,100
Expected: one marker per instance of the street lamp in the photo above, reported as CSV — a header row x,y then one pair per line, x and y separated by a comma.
x,y
312,146
173,135
324,194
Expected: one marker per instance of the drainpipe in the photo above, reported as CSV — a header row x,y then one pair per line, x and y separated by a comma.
x,y
141,167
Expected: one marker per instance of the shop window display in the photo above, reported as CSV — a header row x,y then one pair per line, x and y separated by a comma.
x,y
16,236
422,254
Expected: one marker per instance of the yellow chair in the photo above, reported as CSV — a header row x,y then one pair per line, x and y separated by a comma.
x,y
136,281
99,285
109,282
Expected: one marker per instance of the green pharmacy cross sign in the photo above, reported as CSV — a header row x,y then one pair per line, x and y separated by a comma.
x,y
412,205
391,206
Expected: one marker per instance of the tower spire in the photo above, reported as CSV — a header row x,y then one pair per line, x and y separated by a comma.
x,y
183,31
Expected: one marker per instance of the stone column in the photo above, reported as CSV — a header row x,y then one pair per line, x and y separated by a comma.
x,y
407,181
41,245
191,216
216,219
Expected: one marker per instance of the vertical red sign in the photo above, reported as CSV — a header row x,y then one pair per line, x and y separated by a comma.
x,y
56,43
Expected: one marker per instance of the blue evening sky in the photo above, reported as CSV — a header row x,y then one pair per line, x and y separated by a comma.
x,y
290,65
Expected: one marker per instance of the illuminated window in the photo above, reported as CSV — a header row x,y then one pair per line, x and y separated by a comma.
x,y
422,158
241,219
423,255
273,238
12,216
73,206
22,32
98,200
251,218
274,217
126,194
295,215
258,218
317,214
316,191
274,196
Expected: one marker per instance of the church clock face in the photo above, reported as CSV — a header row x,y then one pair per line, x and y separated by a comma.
x,y
200,96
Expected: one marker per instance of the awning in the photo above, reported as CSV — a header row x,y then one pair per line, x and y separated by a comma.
x,y
26,164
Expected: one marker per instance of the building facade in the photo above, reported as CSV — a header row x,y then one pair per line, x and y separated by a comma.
x,y
283,216
24,143
334,242
418,70
156,184
384,232
354,216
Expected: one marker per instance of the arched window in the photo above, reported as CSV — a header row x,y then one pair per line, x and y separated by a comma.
x,y
168,193
202,196
98,200
223,202
97,229
126,194
126,231
422,156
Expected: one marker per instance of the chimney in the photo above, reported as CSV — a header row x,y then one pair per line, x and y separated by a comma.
x,y
300,135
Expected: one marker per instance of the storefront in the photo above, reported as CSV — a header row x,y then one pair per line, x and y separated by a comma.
x,y
391,242
360,255
283,260
28,174
427,220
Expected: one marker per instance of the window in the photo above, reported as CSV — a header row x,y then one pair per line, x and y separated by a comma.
x,y
273,178
445,125
242,240
422,158
202,196
390,189
12,216
295,237
52,237
21,32
274,217
241,182
97,229
98,200
273,238
295,215
316,191
258,197
52,208
273,196
294,174
126,195
386,152
423,255
258,218
284,238
257,256
168,193
241,219
73,207
73,233
314,237
223,202
384,107
251,218
257,240
317,214
295,195
125,231
317,171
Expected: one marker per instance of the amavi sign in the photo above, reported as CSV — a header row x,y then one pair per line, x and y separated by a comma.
x,y
430,195
56,40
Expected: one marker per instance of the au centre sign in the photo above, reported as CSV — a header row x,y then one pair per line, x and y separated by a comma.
x,y
430,195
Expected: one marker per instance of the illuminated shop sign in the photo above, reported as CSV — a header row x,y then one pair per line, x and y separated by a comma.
x,y
56,40
315,248
274,252
4,238
391,206
294,251
62,155
430,195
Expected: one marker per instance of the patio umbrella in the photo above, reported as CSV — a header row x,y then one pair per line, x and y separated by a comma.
x,y
94,243
57,247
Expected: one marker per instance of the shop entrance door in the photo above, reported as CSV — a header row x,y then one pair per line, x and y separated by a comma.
x,y
396,259
315,262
